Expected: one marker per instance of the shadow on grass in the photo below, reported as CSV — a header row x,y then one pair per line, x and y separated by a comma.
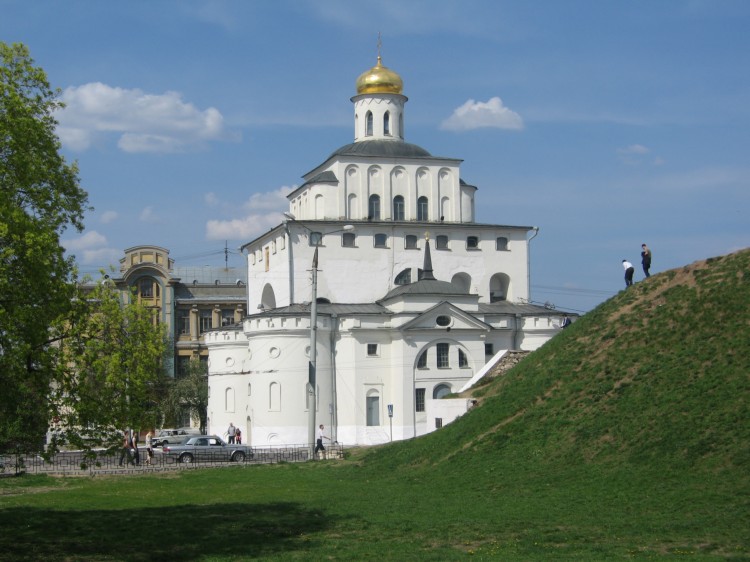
x,y
187,532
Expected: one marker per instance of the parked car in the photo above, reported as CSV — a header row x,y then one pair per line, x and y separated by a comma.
x,y
207,448
173,436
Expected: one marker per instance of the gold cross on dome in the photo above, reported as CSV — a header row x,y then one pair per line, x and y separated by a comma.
x,y
427,235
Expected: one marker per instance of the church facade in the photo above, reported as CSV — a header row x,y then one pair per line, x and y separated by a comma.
x,y
381,263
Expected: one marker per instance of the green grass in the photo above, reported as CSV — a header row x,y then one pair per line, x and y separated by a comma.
x,y
625,437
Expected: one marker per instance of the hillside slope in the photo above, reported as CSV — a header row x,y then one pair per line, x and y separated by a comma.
x,y
659,375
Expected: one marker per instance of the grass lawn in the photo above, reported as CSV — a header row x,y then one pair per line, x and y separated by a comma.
x,y
351,511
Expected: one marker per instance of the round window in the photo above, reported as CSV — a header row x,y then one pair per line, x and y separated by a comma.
x,y
443,321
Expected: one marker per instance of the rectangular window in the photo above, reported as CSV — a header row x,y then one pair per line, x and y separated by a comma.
x,y
381,240
227,317
472,243
438,423
462,360
372,350
443,361
441,242
489,349
183,321
419,400
347,239
411,242
501,244
205,320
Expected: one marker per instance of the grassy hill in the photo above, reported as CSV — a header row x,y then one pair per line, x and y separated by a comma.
x,y
627,436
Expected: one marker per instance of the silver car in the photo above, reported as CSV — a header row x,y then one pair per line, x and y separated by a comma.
x,y
202,448
173,436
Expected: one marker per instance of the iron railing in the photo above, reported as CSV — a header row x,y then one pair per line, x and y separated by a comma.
x,y
74,463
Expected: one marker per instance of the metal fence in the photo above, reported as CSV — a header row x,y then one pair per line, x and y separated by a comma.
x,y
74,463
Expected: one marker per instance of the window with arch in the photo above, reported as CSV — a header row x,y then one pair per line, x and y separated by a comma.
x,y
398,208
229,400
380,240
401,126
440,391
368,124
441,242
372,403
422,208
274,397
422,361
501,244
347,239
499,287
387,123
373,207
410,242
403,278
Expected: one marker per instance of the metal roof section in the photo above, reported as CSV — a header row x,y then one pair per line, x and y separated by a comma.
x,y
324,177
382,148
207,275
425,287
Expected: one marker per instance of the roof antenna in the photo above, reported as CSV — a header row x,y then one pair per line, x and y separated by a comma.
x,y
226,254
380,45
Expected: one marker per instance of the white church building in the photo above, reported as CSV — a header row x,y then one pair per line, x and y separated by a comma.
x,y
412,298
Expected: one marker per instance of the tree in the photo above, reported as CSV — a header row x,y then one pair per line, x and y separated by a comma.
x,y
189,393
40,198
112,372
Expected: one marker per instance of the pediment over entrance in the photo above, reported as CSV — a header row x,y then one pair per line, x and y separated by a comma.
x,y
445,316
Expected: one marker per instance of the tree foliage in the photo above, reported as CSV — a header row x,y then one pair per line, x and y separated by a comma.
x,y
189,393
112,368
40,198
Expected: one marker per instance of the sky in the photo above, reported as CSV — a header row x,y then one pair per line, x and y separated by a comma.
x,y
604,124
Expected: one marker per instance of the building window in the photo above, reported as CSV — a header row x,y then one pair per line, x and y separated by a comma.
x,y
501,244
438,423
440,391
249,389
463,361
347,239
443,359
274,397
229,400
419,400
205,320
387,123
373,408
372,350
411,242
315,238
368,124
489,349
268,258
443,321
403,278
422,214
373,208
398,208
441,242
183,321
146,288
227,317
472,243
422,361
381,240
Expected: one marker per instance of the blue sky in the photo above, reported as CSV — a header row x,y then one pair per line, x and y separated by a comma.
x,y
605,124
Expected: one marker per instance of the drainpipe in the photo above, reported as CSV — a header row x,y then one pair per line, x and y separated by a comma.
x,y
334,403
290,247
528,262
516,332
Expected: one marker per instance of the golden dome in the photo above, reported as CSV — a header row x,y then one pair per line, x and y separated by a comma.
x,y
379,80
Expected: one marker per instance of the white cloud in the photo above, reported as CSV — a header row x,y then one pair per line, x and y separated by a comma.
x,y
144,122
148,215
270,200
108,217
477,114
264,211
91,249
633,149
242,229
211,199
636,154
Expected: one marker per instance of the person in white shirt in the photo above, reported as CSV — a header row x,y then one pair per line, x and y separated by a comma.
x,y
319,443
629,270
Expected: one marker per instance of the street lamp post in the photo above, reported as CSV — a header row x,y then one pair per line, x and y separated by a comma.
x,y
312,365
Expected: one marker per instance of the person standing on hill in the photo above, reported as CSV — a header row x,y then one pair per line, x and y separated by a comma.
x,y
629,270
646,260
